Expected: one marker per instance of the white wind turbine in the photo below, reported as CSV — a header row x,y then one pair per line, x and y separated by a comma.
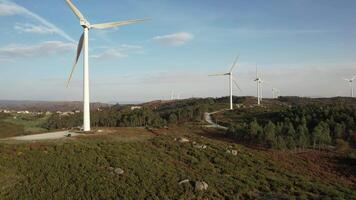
x,y
231,79
83,44
275,93
259,82
351,84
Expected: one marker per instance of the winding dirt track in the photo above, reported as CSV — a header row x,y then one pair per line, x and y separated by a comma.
x,y
208,119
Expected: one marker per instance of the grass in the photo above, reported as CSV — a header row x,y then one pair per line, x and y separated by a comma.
x,y
153,165
17,124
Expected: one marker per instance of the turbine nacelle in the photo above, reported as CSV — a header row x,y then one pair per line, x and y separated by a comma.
x,y
85,24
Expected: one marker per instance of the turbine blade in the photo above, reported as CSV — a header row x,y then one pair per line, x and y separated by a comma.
x,y
237,85
75,10
79,50
115,24
234,63
224,74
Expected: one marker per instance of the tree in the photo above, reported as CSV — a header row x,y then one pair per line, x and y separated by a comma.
x,y
270,134
302,136
255,129
172,119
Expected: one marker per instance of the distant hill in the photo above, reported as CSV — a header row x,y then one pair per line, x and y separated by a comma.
x,y
47,105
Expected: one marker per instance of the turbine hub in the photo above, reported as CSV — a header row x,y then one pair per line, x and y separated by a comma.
x,y
85,24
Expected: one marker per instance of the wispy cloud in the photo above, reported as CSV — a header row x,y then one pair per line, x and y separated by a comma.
x,y
175,39
118,53
41,49
10,8
30,28
110,53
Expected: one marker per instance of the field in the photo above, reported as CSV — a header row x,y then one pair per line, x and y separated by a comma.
x,y
154,162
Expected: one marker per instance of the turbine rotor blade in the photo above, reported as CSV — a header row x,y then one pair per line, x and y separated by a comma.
x,y
115,24
79,50
224,74
234,63
75,10
236,84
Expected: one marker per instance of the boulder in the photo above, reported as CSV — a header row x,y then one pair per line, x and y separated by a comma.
x,y
183,181
201,186
118,171
183,140
200,146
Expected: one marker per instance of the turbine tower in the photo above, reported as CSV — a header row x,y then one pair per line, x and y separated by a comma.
x,y
83,45
275,93
351,84
231,79
259,83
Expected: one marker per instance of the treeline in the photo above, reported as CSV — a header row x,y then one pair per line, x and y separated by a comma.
x,y
122,116
301,127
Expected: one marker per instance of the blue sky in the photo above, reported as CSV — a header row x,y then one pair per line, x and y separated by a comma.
x,y
302,47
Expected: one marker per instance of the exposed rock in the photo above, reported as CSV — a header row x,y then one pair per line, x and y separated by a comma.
x,y
118,171
234,152
99,131
200,146
184,181
201,186
183,140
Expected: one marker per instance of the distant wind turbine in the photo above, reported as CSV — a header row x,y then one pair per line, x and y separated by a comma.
x,y
275,93
231,79
259,83
83,44
351,84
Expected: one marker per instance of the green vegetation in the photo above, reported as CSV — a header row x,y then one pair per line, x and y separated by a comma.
x,y
79,169
312,125
169,113
21,124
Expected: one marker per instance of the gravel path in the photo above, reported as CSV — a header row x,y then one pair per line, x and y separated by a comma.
x,y
208,119
44,136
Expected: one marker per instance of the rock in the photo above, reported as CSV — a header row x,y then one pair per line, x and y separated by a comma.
x,y
69,135
183,140
184,181
234,152
100,131
200,146
118,171
201,186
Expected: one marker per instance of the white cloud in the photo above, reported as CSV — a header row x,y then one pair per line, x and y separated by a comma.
x,y
41,49
175,39
118,53
11,8
110,53
30,28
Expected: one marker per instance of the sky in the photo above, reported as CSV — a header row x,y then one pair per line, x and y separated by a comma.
x,y
301,47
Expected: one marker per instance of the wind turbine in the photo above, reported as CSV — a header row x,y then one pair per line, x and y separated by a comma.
x,y
259,82
231,79
83,45
351,81
275,93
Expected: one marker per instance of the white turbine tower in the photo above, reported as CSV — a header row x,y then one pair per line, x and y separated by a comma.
x,y
351,84
231,79
275,93
83,44
259,83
